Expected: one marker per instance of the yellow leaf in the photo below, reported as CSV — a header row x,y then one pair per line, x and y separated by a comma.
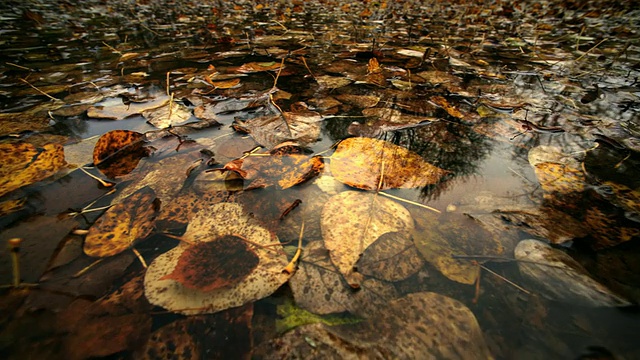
x,y
123,224
359,162
23,164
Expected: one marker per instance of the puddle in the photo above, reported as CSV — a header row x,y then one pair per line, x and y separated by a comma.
x,y
288,174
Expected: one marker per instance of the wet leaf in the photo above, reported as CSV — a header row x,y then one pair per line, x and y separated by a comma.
x,y
258,67
361,101
439,238
392,257
11,206
223,84
607,229
623,197
272,130
545,222
351,221
559,277
450,109
419,325
555,171
209,225
207,266
115,109
359,162
291,316
118,152
123,224
318,287
22,164
283,170
332,82
168,115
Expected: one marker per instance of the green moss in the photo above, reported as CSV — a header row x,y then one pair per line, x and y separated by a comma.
x,y
291,316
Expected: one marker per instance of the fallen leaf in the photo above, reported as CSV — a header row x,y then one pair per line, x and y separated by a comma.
x,y
361,101
258,67
392,257
419,325
332,82
209,225
439,238
168,115
351,221
450,109
22,164
115,109
272,130
318,287
559,277
123,224
545,222
360,162
606,228
118,152
283,170
207,266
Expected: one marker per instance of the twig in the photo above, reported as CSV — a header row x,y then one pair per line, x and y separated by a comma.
x,y
83,271
593,48
40,91
112,48
307,66
102,182
409,202
275,81
18,66
291,267
139,256
506,280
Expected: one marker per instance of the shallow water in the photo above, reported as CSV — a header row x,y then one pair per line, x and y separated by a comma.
x,y
532,109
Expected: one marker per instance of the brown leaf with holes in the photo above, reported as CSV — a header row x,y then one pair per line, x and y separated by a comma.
x,y
23,164
360,162
207,266
123,224
118,152
282,170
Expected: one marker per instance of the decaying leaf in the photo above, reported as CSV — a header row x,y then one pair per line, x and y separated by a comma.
x,y
623,197
317,286
272,130
606,229
392,257
115,109
207,266
118,152
351,221
360,162
224,335
170,114
556,172
22,164
332,82
283,170
450,109
258,67
559,277
125,223
545,222
419,325
211,225
439,238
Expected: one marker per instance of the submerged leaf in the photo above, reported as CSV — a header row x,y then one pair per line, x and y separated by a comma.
x,y
209,225
168,115
207,266
118,152
439,238
352,221
123,224
317,286
22,164
392,257
419,325
559,277
360,162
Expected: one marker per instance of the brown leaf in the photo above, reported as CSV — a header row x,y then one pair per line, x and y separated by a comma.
x,y
360,162
258,67
211,265
22,164
118,152
123,224
392,257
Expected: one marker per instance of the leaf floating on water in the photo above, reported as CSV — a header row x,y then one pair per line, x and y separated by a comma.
x,y
450,109
284,170
358,162
559,277
606,228
332,82
209,225
118,152
115,109
166,116
392,257
258,67
439,238
272,130
123,224
351,221
419,325
207,266
317,286
22,164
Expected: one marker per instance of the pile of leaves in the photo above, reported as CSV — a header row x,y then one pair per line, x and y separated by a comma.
x,y
371,172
